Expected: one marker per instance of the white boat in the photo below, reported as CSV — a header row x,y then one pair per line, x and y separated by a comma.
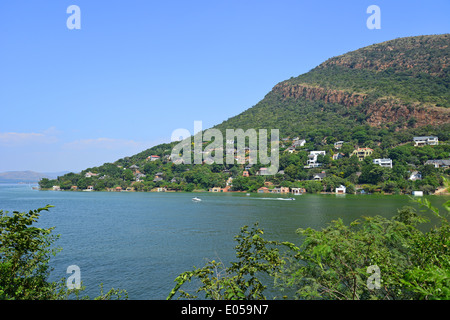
x,y
196,199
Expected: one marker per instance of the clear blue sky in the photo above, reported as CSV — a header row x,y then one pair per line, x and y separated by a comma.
x,y
137,70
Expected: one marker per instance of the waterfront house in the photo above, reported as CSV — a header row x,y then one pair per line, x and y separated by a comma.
x,y
361,153
56,188
298,190
74,188
341,189
118,189
426,140
386,163
218,189
90,188
282,190
263,190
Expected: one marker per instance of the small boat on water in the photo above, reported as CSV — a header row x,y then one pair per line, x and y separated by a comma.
x,y
196,199
286,198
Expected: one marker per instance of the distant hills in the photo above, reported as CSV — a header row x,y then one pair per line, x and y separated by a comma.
x,y
27,176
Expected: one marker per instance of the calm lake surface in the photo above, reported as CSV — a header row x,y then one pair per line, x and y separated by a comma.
x,y
141,242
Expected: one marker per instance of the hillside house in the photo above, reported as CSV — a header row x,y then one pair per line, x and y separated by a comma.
x,y
90,174
439,163
386,163
262,171
291,149
319,176
245,173
134,168
298,142
312,159
338,145
415,175
426,140
153,158
337,156
361,153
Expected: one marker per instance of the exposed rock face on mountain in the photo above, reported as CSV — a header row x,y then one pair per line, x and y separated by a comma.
x,y
295,91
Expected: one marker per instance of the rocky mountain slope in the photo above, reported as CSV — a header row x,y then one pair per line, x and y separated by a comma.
x,y
403,82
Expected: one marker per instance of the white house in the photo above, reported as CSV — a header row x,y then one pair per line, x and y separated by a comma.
x,y
319,176
312,159
341,190
417,193
387,163
426,140
338,145
261,171
415,175
90,174
153,157
298,143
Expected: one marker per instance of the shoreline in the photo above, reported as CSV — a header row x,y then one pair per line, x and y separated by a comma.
x,y
439,192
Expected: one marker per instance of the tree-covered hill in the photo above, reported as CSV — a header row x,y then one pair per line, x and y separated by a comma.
x,y
378,97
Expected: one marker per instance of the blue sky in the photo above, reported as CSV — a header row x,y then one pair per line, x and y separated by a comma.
x,y
138,70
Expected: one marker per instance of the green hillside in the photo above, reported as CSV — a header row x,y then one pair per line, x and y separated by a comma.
x,y
378,97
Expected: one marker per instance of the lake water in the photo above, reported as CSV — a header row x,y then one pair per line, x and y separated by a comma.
x,y
141,242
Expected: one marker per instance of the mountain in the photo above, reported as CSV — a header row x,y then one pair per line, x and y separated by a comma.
x,y
378,97
27,176
402,83
21,176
